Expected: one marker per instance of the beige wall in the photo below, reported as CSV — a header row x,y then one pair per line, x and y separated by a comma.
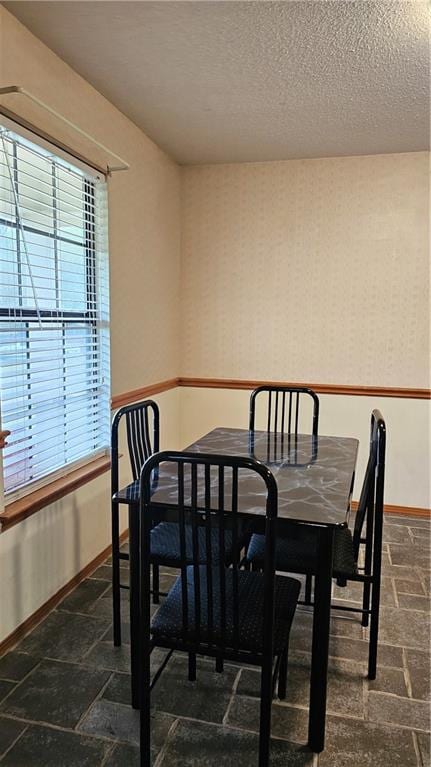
x,y
312,271
40,555
307,270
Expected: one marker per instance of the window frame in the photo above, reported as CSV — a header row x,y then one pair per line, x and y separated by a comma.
x,y
32,317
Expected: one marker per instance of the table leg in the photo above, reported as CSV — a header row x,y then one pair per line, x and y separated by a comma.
x,y
320,647
134,600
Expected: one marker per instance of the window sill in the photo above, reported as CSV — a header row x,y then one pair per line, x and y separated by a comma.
x,y
24,507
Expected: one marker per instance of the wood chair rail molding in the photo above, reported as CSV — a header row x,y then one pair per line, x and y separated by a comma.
x,y
125,398
319,388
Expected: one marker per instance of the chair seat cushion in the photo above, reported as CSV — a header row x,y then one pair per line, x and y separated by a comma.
x,y
299,554
165,544
168,621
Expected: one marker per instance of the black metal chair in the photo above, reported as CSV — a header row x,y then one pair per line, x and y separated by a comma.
x,y
283,408
142,422
299,555
282,417
223,612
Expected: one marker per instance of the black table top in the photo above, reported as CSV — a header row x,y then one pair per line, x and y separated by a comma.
x,y
314,475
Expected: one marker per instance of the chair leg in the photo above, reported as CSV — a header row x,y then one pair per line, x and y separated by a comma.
x,y
282,676
374,630
308,587
116,591
156,585
192,667
366,604
265,714
145,735
219,664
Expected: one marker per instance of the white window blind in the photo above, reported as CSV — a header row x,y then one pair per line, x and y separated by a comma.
x,y
54,324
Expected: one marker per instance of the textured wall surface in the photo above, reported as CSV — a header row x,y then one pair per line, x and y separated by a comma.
x,y
312,270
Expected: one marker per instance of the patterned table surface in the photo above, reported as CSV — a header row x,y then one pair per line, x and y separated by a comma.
x,y
314,475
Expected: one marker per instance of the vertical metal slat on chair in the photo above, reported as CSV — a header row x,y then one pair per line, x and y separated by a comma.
x,y
221,570
196,558
377,548
209,553
183,551
115,536
235,557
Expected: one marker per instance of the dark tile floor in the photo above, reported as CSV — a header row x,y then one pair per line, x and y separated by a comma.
x,y
65,689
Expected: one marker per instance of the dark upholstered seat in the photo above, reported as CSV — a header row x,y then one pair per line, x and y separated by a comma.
x,y
165,544
299,554
168,621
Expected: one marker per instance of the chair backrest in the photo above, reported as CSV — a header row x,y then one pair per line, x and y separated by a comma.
x,y
142,423
370,507
205,506
283,408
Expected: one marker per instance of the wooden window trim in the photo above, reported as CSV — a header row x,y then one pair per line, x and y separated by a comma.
x,y
25,507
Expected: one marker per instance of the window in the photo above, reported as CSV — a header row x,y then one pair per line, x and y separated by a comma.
x,y
54,331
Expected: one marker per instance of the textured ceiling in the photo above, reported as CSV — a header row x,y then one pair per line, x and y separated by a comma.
x,y
218,82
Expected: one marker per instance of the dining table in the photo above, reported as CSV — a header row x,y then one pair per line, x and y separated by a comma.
x,y
315,476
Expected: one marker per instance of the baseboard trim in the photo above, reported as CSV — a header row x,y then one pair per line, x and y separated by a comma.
x,y
405,511
42,612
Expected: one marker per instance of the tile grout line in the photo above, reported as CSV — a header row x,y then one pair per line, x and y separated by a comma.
x,y
169,737
407,678
232,697
10,747
417,750
95,700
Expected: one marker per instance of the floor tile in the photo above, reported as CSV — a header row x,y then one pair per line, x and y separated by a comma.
x,y
408,587
389,680
105,655
418,666
351,743
206,699
409,555
345,688
414,602
57,693
44,747
10,730
287,722
421,532
64,636
83,598
404,627
391,709
117,722
104,573
16,665
396,534
357,649
194,744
